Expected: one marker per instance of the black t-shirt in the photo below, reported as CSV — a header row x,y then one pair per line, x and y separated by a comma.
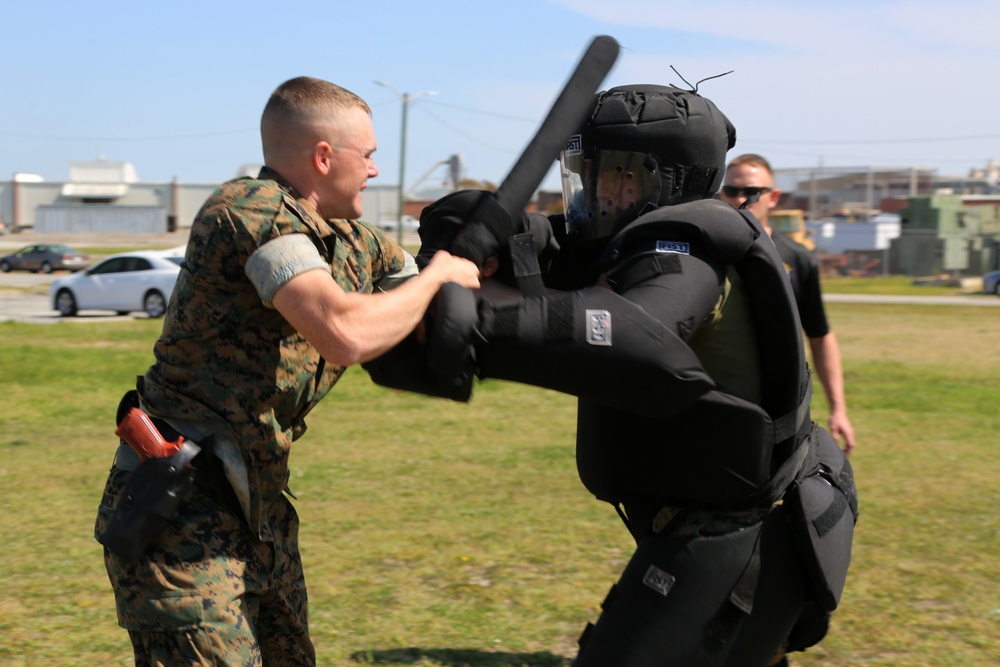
x,y
803,271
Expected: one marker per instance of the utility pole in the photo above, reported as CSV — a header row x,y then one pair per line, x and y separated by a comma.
x,y
405,97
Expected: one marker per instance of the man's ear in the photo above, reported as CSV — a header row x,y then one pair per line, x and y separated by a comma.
x,y
322,157
774,196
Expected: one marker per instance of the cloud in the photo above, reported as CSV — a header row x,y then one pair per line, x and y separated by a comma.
x,y
848,72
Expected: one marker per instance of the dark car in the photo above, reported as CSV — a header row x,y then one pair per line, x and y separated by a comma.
x,y
991,282
45,257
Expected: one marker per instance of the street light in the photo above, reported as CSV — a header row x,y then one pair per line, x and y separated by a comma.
x,y
405,97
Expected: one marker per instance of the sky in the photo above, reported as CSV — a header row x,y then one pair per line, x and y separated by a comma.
x,y
177,88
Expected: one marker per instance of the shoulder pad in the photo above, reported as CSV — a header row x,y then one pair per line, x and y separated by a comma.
x,y
724,231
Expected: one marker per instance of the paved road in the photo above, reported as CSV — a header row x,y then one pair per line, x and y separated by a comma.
x,y
18,306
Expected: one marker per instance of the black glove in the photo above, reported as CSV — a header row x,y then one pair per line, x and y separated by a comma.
x,y
529,255
469,223
474,225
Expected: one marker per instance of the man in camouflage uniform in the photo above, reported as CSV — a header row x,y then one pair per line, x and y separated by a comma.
x,y
274,301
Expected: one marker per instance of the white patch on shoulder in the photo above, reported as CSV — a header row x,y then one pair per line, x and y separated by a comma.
x,y
599,327
676,247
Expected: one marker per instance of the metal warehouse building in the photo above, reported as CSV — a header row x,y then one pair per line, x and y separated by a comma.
x,y
107,197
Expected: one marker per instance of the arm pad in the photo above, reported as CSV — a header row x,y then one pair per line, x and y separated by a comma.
x,y
405,367
445,366
593,344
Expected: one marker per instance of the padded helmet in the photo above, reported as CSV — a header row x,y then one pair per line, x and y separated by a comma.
x,y
643,146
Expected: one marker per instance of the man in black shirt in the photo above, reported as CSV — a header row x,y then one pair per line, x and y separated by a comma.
x,y
749,175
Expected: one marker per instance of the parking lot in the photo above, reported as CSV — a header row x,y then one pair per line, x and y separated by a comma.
x,y
17,305
24,295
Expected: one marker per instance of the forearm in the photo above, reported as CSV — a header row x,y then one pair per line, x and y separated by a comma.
x,y
826,359
351,327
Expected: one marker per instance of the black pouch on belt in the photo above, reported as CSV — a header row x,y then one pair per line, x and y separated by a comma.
x,y
149,500
153,493
824,509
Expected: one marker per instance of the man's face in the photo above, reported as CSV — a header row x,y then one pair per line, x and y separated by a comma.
x,y
349,165
741,181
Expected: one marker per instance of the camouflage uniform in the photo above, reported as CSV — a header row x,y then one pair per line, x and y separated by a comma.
x,y
223,583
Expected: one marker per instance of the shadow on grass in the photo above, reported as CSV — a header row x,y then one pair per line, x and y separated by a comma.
x,y
456,657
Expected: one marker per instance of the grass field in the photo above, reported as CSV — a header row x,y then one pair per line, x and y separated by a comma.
x,y
444,534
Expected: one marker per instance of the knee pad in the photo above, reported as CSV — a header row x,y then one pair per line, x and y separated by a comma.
x,y
668,601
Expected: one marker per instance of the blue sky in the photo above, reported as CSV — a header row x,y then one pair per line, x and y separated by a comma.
x,y
177,88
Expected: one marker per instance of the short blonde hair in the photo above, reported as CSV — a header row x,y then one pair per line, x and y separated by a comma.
x,y
752,160
299,106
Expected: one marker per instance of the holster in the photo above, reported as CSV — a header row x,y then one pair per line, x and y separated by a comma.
x,y
824,509
153,493
149,500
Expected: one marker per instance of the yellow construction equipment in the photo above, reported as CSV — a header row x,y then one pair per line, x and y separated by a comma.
x,y
792,223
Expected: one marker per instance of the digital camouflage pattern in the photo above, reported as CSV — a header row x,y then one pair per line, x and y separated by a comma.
x,y
223,582
207,592
223,354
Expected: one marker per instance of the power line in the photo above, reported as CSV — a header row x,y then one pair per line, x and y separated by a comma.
x,y
481,112
465,135
219,133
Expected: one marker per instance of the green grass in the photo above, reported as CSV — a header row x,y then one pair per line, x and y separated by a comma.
x,y
436,533
894,285
100,252
40,289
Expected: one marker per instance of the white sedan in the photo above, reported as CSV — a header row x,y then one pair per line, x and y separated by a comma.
x,y
410,224
126,282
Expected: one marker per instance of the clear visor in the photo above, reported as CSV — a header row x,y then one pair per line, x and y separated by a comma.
x,y
605,191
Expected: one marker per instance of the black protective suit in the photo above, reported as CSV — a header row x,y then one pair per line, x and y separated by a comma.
x,y
681,339
696,469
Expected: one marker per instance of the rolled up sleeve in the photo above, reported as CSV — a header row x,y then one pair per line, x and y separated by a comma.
x,y
279,260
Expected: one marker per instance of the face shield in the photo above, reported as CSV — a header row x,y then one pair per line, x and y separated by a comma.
x,y
604,190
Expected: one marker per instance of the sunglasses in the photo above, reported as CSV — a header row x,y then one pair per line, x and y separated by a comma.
x,y
733,191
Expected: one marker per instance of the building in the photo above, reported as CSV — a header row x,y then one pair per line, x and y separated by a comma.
x,y
947,224
837,236
108,197
860,193
101,197
948,234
